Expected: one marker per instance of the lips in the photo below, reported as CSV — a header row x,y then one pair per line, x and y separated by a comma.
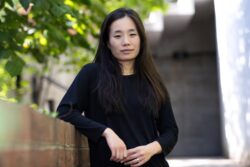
x,y
127,51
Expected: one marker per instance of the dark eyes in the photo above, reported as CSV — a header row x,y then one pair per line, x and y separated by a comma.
x,y
131,35
117,36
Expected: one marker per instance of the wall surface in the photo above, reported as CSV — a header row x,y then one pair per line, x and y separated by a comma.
x,y
198,37
233,38
188,63
36,140
193,88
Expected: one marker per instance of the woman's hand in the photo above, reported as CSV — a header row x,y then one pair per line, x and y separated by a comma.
x,y
140,155
116,145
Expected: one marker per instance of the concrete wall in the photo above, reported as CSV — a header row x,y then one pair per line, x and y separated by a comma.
x,y
188,63
193,87
32,139
198,37
233,34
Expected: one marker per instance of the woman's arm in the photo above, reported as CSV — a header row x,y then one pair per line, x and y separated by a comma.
x,y
75,101
70,110
167,128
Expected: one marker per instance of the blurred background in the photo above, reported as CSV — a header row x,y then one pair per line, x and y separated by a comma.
x,y
201,48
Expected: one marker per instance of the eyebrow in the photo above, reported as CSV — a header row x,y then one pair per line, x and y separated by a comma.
x,y
130,30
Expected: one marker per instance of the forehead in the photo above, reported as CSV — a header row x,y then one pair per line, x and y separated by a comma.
x,y
123,24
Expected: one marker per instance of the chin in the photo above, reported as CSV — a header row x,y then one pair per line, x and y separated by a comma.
x,y
126,59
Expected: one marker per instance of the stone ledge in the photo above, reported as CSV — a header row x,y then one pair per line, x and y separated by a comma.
x,y
32,139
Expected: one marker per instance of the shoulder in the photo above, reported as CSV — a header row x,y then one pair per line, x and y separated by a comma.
x,y
88,72
89,69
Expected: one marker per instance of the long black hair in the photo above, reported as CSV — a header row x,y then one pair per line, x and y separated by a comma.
x,y
109,84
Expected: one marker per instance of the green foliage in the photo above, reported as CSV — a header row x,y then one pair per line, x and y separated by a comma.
x,y
7,84
25,4
15,62
40,31
47,112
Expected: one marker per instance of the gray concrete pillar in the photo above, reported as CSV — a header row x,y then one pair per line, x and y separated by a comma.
x,y
233,44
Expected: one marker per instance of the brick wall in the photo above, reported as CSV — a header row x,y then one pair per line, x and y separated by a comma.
x,y
40,141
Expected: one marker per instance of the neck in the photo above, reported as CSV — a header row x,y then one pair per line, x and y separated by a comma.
x,y
127,68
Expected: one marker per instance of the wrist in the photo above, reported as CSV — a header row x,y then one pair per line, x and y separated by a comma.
x,y
155,147
106,132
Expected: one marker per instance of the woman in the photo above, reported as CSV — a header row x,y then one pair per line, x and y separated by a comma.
x,y
128,117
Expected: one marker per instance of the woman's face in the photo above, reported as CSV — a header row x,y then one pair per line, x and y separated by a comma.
x,y
124,40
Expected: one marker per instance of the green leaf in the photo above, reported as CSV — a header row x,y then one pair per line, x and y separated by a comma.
x,y
80,41
25,3
59,9
10,2
14,66
13,20
5,53
54,114
87,2
2,3
40,58
4,36
20,36
40,5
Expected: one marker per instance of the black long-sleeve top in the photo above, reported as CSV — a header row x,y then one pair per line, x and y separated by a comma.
x,y
135,126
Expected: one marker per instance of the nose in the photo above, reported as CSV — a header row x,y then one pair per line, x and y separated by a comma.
x,y
125,40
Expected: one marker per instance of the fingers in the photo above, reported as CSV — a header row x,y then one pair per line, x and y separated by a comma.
x,y
118,153
134,162
137,156
132,158
136,150
138,162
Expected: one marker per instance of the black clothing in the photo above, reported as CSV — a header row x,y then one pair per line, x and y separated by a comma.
x,y
135,127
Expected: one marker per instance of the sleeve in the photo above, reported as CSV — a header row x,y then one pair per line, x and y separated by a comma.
x,y
74,102
167,127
